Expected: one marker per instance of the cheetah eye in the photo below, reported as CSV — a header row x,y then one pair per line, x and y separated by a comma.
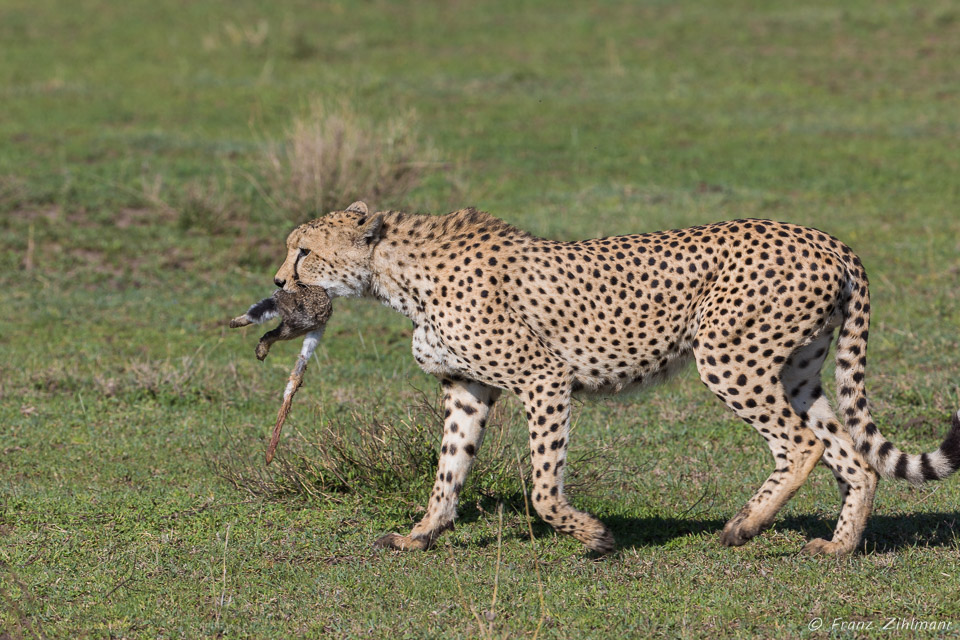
x,y
303,253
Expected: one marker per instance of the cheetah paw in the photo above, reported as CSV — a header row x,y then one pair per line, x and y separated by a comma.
x,y
821,547
398,542
736,535
602,542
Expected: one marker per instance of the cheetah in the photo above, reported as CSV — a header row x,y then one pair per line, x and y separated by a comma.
x,y
754,303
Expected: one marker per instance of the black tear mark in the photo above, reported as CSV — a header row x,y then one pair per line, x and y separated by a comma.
x,y
296,264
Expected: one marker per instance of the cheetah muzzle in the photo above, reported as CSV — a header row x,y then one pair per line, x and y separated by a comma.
x,y
754,303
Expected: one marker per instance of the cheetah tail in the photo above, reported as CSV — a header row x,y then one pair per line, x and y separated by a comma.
x,y
882,455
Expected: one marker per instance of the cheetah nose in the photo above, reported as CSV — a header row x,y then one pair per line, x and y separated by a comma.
x,y
279,282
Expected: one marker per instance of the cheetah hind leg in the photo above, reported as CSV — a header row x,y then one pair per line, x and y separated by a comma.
x,y
794,446
856,480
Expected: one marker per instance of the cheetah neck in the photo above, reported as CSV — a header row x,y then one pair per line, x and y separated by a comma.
x,y
415,249
399,276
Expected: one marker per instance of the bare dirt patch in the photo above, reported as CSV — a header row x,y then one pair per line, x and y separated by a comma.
x,y
142,216
35,214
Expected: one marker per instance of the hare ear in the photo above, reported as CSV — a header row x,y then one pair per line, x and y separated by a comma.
x,y
358,207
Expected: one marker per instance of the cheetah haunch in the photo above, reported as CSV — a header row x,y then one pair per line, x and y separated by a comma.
x,y
754,303
303,312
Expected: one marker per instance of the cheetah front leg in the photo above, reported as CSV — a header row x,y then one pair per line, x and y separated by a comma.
x,y
547,406
466,405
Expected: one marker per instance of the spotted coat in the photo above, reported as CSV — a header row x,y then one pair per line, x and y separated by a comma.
x,y
755,304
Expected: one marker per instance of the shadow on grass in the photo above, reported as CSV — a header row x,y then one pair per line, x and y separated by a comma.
x,y
885,533
656,531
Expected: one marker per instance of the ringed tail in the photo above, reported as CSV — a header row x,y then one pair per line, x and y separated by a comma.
x,y
883,456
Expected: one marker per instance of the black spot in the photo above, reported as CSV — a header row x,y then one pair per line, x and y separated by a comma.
x,y
901,470
926,469
951,445
884,450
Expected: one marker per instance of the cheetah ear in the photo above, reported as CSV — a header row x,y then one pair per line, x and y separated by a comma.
x,y
358,207
373,229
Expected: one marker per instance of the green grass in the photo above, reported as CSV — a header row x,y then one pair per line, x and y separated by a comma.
x,y
119,384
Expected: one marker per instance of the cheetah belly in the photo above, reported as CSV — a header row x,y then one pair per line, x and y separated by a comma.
x,y
611,358
431,353
643,374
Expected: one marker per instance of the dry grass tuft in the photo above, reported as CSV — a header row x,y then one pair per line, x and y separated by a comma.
x,y
13,192
208,205
364,452
332,155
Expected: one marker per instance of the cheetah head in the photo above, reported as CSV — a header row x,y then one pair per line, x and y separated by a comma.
x,y
333,252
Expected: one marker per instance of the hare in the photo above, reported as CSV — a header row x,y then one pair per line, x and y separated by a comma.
x,y
301,311
304,311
